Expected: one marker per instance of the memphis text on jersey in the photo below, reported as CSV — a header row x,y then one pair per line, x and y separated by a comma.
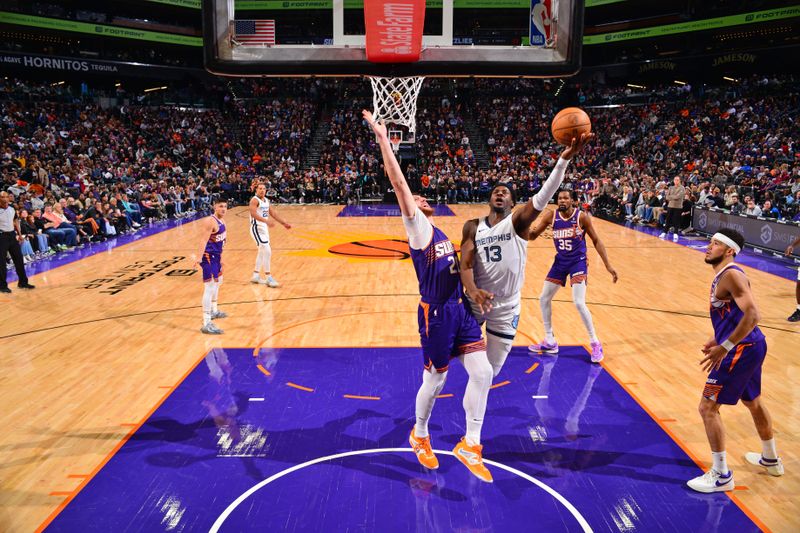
x,y
492,239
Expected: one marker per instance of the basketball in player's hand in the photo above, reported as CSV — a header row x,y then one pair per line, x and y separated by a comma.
x,y
569,123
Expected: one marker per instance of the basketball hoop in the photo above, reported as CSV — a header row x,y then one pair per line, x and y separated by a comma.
x,y
394,100
395,141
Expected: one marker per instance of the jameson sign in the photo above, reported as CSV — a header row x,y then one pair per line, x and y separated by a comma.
x,y
72,64
757,231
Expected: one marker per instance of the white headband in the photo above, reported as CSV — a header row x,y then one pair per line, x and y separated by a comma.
x,y
724,239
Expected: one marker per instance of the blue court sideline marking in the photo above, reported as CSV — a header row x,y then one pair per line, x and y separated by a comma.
x,y
232,507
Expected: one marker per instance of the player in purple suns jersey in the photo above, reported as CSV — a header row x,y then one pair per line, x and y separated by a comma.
x,y
212,239
570,228
734,355
447,330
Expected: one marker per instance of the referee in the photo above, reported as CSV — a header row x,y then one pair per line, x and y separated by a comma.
x,y
9,243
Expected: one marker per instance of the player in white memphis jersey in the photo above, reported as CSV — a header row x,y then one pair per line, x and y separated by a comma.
x,y
261,217
494,252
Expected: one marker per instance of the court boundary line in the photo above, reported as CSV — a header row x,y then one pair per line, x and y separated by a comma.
x,y
328,297
742,507
89,477
263,483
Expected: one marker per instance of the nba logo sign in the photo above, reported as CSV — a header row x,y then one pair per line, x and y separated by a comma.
x,y
541,22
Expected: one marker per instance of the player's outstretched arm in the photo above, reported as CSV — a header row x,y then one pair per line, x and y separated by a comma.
x,y
254,211
524,216
482,298
588,226
279,218
207,227
538,228
404,197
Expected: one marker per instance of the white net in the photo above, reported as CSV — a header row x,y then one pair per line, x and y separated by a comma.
x,y
394,100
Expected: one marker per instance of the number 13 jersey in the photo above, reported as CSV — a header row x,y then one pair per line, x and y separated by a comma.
x,y
500,256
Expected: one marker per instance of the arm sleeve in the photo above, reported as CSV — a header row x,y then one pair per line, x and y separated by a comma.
x,y
418,229
550,186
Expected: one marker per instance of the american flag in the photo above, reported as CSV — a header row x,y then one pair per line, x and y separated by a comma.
x,y
254,31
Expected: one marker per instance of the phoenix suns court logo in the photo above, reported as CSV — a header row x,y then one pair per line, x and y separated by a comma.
x,y
396,249
373,249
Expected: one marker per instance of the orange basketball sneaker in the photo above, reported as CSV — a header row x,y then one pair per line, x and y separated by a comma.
x,y
471,457
422,448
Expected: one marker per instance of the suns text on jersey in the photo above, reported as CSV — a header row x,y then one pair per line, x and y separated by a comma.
x,y
444,248
567,233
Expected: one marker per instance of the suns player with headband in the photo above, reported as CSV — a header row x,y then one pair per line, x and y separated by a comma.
x,y
734,356
494,250
447,329
212,240
260,214
570,227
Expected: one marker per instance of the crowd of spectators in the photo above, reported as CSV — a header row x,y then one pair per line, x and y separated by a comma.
x,y
80,171
740,139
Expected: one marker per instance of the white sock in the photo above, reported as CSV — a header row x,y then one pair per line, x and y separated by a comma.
x,y
720,462
549,289
476,394
208,294
432,385
768,449
265,255
579,298
214,295
256,274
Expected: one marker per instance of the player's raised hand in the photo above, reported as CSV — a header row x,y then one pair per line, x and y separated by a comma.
x,y
789,250
481,298
577,145
379,127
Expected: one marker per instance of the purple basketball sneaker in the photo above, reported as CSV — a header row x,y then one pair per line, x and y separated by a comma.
x,y
544,347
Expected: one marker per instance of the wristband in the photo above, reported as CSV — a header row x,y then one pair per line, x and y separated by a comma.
x,y
728,345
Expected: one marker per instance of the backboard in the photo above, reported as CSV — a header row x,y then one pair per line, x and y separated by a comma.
x,y
505,38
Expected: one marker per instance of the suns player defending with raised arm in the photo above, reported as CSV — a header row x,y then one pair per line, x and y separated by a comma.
x,y
570,227
212,239
260,214
494,250
734,356
446,327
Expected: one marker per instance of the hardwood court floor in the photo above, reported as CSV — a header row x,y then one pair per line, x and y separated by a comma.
x,y
87,357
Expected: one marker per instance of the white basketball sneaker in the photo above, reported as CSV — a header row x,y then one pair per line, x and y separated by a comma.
x,y
271,282
774,466
257,279
712,481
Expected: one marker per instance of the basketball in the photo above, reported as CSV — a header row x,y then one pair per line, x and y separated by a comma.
x,y
568,123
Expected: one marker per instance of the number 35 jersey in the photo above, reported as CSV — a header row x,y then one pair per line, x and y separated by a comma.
x,y
569,237
500,256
